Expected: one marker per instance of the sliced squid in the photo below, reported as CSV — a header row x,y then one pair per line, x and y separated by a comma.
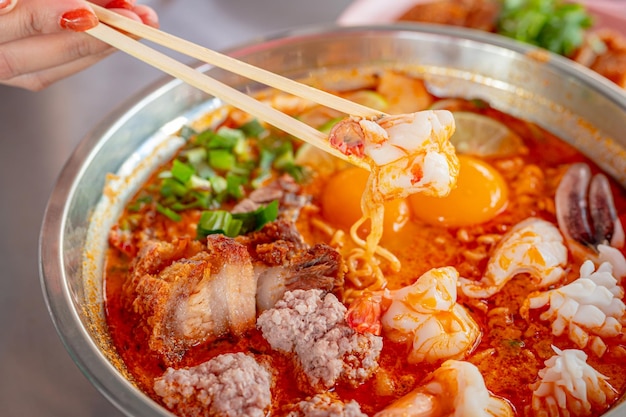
x,y
427,316
456,389
588,309
534,246
568,386
586,212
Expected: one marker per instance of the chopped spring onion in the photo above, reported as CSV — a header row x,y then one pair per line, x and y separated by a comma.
x,y
169,213
232,225
224,165
221,159
181,171
253,129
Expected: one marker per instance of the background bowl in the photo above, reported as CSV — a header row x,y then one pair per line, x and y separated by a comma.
x,y
566,99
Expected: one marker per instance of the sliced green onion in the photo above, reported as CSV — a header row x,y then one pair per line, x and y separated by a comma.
x,y
181,171
139,203
221,159
218,184
197,183
232,225
217,222
234,185
195,156
230,134
253,129
167,212
172,187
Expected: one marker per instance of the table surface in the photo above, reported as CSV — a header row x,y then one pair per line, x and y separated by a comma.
x,y
38,132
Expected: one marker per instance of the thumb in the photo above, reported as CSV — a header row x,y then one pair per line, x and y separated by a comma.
x,y
6,6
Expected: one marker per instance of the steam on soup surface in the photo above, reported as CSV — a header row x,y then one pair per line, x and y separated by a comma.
x,y
237,281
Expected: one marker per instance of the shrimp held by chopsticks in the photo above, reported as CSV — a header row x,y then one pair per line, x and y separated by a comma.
x,y
407,154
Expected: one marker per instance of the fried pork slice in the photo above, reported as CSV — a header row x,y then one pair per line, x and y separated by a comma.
x,y
230,385
311,324
326,405
284,262
196,299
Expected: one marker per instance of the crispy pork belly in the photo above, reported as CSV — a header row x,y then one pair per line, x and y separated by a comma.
x,y
230,385
284,262
196,299
326,405
311,324
317,267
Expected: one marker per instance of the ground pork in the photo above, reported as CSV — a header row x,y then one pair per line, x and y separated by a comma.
x,y
325,405
312,325
232,385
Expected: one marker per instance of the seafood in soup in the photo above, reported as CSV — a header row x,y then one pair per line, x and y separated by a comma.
x,y
254,275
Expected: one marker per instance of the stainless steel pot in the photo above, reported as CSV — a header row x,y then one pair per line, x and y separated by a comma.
x,y
568,100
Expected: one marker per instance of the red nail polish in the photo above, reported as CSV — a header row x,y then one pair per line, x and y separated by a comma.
x,y
4,3
120,4
78,20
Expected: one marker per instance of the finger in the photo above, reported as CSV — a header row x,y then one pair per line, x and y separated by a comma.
x,y
17,58
37,81
6,6
38,17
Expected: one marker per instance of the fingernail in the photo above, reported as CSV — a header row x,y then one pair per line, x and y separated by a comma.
x,y
78,20
120,4
4,3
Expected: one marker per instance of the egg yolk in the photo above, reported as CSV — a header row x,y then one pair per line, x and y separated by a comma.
x,y
341,203
479,196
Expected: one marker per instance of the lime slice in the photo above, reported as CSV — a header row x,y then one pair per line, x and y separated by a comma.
x,y
483,136
368,98
319,161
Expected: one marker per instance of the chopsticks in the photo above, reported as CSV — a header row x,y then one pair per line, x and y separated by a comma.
x,y
218,89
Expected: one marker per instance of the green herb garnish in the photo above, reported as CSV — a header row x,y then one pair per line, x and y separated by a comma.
x,y
223,166
232,225
551,24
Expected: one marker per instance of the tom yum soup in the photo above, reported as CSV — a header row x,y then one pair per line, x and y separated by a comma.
x,y
254,275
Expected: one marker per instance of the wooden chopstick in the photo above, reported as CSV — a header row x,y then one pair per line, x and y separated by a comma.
x,y
231,64
220,90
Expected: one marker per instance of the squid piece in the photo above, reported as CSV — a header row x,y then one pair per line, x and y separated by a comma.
x,y
588,218
585,210
589,308
408,153
456,389
194,299
568,386
533,246
427,316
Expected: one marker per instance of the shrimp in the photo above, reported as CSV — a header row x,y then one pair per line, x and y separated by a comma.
x,y
532,246
427,315
365,312
568,386
456,389
408,153
590,308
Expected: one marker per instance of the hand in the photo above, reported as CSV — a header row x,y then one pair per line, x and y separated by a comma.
x,y
40,40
